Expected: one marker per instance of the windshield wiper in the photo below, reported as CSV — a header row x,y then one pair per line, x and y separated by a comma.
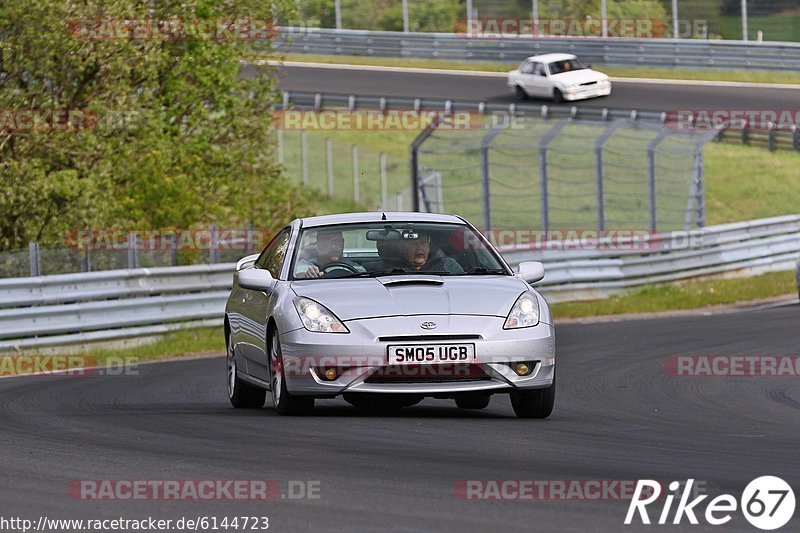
x,y
484,270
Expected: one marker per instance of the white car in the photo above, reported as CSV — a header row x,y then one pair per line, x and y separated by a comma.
x,y
562,77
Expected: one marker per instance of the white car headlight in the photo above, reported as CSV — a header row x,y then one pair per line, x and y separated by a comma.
x,y
524,313
316,317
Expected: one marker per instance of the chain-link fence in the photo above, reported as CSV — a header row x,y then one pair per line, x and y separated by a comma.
x,y
566,174
96,250
370,180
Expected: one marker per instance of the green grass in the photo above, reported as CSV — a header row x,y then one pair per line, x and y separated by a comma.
x,y
748,182
683,295
179,343
752,76
782,27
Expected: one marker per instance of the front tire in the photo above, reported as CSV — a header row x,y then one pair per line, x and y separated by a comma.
x,y
242,395
558,96
521,94
536,403
285,402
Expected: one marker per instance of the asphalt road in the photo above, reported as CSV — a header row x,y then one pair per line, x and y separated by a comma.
x,y
627,95
618,416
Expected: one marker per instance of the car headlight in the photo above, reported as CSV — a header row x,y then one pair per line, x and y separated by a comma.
x,y
316,317
524,313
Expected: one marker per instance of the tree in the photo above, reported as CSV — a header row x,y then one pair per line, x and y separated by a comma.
x,y
165,132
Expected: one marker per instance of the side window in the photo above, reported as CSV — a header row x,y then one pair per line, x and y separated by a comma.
x,y
273,255
538,70
527,68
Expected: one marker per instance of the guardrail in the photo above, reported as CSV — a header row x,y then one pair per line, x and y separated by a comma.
x,y
669,53
50,311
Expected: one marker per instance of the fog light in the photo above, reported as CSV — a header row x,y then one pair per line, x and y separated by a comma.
x,y
523,369
330,374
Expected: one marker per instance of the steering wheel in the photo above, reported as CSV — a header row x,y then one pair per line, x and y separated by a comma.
x,y
332,267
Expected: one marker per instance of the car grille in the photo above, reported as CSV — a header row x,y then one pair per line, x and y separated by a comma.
x,y
425,338
445,373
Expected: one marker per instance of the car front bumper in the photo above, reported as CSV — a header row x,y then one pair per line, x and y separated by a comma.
x,y
360,357
591,92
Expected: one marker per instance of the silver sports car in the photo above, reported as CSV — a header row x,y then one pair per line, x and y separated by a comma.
x,y
386,309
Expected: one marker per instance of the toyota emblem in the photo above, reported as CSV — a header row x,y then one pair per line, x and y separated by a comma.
x,y
428,325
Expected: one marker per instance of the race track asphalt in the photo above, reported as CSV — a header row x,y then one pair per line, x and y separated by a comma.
x,y
618,416
627,95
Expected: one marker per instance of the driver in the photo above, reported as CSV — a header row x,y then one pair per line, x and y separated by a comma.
x,y
330,245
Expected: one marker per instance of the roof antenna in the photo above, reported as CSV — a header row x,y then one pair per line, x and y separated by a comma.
x,y
383,217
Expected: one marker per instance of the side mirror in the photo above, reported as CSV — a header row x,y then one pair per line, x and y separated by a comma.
x,y
256,279
530,271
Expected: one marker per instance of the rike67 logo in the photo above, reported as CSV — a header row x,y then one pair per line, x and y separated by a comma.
x,y
767,503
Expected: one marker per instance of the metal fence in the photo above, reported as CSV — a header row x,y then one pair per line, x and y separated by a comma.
x,y
365,179
103,250
565,174
773,137
667,53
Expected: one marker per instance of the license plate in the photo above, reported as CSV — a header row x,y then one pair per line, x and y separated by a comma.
x,y
415,354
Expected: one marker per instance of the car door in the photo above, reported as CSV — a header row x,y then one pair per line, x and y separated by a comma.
x,y
255,304
540,82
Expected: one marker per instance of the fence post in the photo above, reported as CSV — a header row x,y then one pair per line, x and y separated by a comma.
x,y
414,159
384,197
746,132
543,145
600,174
486,175
213,252
86,265
399,199
795,137
280,146
356,192
133,252
329,161
771,137
33,256
304,154
651,176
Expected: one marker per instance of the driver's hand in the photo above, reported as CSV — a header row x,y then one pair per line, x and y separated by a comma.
x,y
314,272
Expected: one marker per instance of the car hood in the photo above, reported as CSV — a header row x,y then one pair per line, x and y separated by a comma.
x,y
579,76
418,294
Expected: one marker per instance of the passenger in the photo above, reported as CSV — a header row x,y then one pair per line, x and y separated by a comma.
x,y
414,255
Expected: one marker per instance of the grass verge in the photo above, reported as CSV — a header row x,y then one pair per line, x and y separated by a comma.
x,y
682,296
179,343
748,76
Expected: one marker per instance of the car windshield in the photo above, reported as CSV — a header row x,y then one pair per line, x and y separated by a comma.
x,y
567,65
391,248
